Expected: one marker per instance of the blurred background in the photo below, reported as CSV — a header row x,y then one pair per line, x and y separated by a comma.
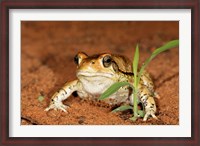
x,y
48,49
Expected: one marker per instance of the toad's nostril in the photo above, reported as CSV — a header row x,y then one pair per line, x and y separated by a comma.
x,y
93,62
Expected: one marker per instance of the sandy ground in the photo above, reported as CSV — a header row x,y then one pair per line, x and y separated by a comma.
x,y
47,53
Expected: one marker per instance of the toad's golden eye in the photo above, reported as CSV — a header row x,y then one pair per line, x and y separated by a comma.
x,y
76,59
79,57
107,60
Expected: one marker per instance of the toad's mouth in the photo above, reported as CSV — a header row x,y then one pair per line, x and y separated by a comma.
x,y
93,74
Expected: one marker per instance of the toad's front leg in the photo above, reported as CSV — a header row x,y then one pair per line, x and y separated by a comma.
x,y
62,94
148,101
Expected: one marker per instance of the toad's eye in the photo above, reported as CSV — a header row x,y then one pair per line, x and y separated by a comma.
x,y
107,60
76,59
79,57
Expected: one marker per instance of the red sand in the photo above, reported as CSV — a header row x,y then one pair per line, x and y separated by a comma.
x,y
47,55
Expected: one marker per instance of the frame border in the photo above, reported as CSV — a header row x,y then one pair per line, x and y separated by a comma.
x,y
89,4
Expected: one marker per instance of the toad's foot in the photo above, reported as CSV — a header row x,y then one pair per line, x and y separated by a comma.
x,y
57,106
148,114
156,95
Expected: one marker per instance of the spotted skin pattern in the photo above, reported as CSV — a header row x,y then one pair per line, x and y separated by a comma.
x,y
95,74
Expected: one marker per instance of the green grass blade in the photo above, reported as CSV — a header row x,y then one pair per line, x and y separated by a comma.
x,y
135,70
135,65
113,88
40,98
141,113
122,108
133,119
167,46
